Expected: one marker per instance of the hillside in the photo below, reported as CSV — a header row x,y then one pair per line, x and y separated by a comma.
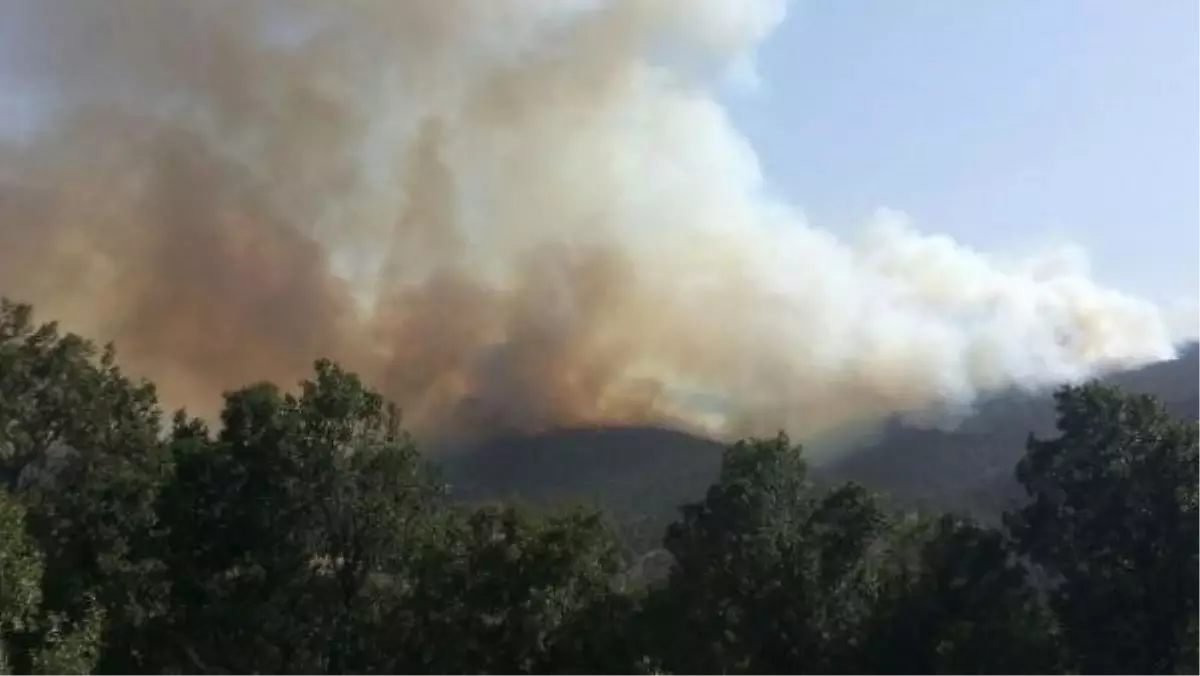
x,y
640,474
970,469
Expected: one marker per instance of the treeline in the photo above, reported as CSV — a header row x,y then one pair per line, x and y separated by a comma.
x,y
307,535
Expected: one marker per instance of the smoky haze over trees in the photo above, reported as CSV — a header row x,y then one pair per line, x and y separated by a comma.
x,y
509,216
306,534
518,218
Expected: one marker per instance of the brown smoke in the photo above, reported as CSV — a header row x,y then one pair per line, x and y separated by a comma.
x,y
505,214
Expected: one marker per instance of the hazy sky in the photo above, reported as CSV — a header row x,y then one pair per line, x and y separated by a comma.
x,y
1001,122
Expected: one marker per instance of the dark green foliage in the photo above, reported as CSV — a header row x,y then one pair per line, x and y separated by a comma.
x,y
507,591
282,523
31,639
307,535
1113,519
79,446
954,599
770,576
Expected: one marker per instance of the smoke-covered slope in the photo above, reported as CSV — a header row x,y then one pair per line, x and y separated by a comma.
x,y
646,472
639,475
629,470
507,214
970,468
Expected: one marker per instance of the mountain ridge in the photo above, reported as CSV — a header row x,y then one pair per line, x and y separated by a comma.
x,y
642,472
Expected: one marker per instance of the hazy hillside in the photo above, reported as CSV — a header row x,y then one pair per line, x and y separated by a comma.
x,y
638,474
641,473
970,469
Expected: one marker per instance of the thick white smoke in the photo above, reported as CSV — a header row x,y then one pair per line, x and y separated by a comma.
x,y
505,213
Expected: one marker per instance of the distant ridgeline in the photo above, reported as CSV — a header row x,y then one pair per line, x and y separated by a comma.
x,y
646,472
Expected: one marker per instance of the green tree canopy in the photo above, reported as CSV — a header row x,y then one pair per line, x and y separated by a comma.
x,y
282,525
306,534
770,575
954,599
32,640
1112,517
79,448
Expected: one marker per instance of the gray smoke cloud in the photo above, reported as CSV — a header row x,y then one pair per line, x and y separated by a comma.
x,y
506,214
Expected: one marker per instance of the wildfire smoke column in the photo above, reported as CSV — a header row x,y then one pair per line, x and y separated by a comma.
x,y
511,214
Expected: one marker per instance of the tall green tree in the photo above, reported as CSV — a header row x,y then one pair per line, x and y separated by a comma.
x,y
283,525
1112,517
953,598
509,591
770,575
32,640
80,448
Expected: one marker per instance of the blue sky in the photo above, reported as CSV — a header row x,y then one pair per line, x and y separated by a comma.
x,y
1004,123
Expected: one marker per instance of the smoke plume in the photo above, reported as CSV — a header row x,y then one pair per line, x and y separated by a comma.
x,y
506,214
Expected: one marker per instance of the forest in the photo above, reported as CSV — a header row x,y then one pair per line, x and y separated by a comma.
x,y
304,532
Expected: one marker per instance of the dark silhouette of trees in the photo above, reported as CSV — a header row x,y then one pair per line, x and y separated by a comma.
x,y
1112,518
308,535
